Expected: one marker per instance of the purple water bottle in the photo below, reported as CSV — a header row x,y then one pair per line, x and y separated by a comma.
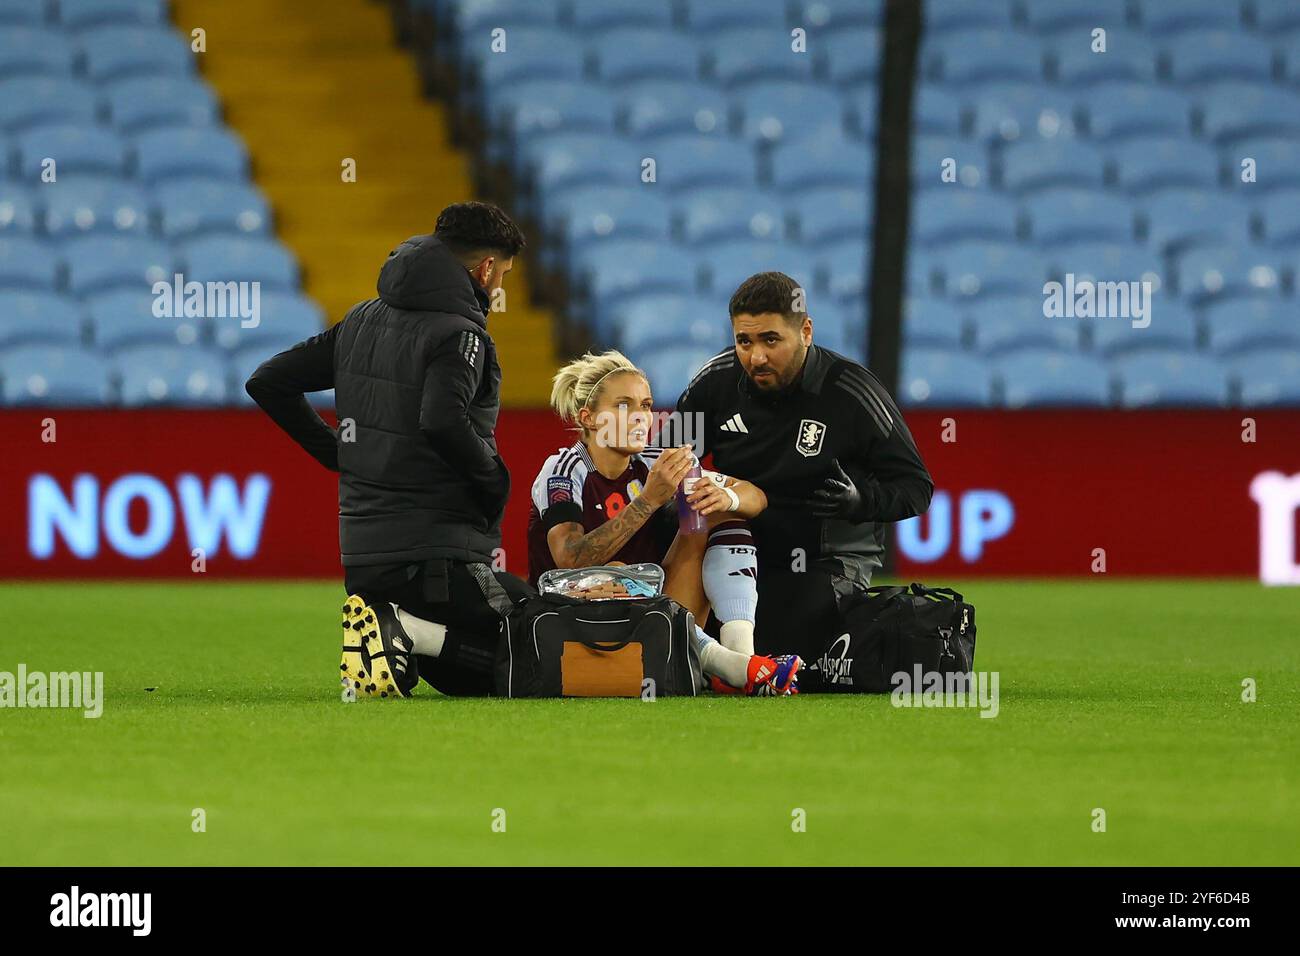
x,y
690,521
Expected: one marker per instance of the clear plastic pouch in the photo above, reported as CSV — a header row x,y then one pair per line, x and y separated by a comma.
x,y
604,582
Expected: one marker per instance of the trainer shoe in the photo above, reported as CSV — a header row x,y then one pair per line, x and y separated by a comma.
x,y
767,677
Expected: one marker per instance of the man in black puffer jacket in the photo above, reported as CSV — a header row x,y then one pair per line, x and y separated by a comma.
x,y
422,488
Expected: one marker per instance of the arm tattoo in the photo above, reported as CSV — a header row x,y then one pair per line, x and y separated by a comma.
x,y
596,547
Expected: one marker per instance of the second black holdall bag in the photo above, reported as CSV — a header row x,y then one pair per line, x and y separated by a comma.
x,y
893,629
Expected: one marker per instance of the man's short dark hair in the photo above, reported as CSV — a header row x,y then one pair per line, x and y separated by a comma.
x,y
469,227
770,292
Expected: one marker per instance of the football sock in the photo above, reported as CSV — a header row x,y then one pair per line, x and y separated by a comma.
x,y
730,573
427,636
717,661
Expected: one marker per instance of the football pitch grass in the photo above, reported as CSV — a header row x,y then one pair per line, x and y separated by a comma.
x,y
1118,695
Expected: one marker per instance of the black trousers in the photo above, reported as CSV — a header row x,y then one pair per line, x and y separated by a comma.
x,y
470,599
799,613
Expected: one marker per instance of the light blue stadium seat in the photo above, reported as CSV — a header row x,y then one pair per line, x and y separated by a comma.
x,y
1008,112
1047,378
645,323
19,210
1279,214
26,263
1239,325
482,16
1175,219
730,263
937,110
982,56
1277,162
831,17
1142,165
834,329
547,107
980,267
54,375
240,259
593,15
1129,56
686,161
1039,164
111,53
142,102
670,369
637,54
943,378
1066,214
34,50
944,16
715,15
848,56
531,53
191,207
1289,48
1108,262
1272,17
658,107
826,161
622,267
599,213
782,110
74,149
844,263
100,262
933,323
25,12
1079,18
122,318
1005,324
170,375
88,14
1223,270
930,156
1159,378
1119,110
1161,18
1202,56
722,214
737,57
582,159
1268,378
76,205
30,101
941,216
171,152
28,318
285,319
827,213
1235,110
1172,326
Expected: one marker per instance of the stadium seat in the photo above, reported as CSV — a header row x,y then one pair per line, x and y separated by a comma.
x,y
1067,215
81,204
74,149
736,57
1279,215
34,50
546,107
482,16
849,56
123,318
592,15
1005,324
111,53
531,53
1119,110
1277,162
1037,164
582,159
1007,112
26,263
824,162
170,375
686,161
286,318
24,12
18,211
827,213
1108,262
942,216
1216,55
171,152
981,267
937,110
661,107
1080,17
192,207
54,375
240,259
1176,219
649,322
1272,17
1223,270
670,369
1173,326
730,263
933,323
85,14
709,16
1129,57
1233,110
30,101
782,110
722,214
1240,325
624,266
932,156
28,318
935,378
944,16
1267,378
100,262
980,56
1160,378
638,55
1039,378
598,213
142,102
1146,164
1159,17
844,264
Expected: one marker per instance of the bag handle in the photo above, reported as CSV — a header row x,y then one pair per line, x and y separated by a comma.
x,y
922,591
608,647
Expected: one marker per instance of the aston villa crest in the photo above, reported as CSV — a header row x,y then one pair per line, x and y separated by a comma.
x,y
809,440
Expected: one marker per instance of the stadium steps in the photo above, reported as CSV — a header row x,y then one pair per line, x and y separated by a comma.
x,y
305,90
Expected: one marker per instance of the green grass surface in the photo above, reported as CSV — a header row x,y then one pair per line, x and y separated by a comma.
x,y
1119,695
